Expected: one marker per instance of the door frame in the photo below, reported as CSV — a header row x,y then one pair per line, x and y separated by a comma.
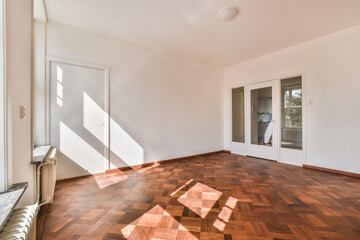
x,y
267,152
305,101
238,147
106,69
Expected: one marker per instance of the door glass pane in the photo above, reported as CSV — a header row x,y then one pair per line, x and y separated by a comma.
x,y
261,116
287,98
238,117
291,113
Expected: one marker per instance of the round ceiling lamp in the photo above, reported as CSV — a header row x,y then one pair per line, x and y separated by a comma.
x,y
228,13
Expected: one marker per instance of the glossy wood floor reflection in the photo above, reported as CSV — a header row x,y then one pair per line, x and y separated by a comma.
x,y
220,196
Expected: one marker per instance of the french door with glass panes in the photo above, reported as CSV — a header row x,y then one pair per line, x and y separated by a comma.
x,y
262,109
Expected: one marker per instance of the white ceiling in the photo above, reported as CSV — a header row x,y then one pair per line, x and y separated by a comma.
x,y
191,29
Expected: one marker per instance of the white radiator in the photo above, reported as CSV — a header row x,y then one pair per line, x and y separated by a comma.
x,y
48,177
21,224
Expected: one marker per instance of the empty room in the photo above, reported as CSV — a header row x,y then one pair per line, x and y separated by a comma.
x,y
179,119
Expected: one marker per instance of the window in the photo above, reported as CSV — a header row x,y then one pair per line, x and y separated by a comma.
x,y
238,117
292,107
291,113
2,103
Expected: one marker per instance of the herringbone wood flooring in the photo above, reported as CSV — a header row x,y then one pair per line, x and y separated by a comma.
x,y
221,196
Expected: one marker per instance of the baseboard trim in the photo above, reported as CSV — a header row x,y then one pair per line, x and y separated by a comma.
x,y
78,177
143,165
329,170
164,161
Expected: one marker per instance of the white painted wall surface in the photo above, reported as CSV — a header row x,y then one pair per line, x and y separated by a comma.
x,y
19,40
78,120
332,82
39,83
3,165
161,106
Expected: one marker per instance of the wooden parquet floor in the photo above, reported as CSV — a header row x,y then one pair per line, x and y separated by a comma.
x,y
222,196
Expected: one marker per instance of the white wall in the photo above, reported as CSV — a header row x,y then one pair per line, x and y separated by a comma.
x,y
332,81
166,105
3,174
19,40
39,82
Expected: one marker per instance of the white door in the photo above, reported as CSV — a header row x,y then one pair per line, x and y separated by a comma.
x,y
262,127
79,123
238,145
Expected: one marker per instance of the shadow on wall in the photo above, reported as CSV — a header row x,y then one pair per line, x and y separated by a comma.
x,y
83,140
122,145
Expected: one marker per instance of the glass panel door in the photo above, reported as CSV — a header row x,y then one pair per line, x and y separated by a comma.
x,y
238,144
261,116
238,115
262,111
291,113
291,132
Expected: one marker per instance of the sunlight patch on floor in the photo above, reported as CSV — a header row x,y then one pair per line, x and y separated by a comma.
x,y
159,222
200,199
108,179
145,169
180,188
225,214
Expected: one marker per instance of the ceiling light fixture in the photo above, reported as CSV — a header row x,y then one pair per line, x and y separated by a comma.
x,y
228,13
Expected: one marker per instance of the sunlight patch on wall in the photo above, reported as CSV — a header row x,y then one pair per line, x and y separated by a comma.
x,y
95,119
59,90
80,151
59,86
122,144
59,101
59,74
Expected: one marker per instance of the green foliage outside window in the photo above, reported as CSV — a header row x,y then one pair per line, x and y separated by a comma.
x,y
293,109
